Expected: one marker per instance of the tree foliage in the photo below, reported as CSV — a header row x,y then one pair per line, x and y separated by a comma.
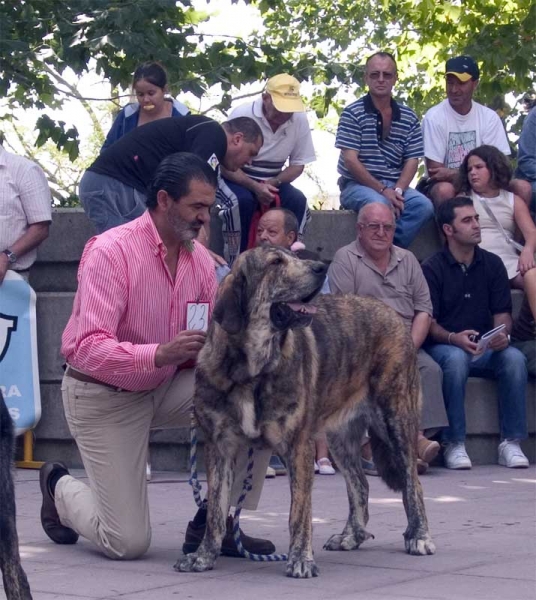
x,y
322,41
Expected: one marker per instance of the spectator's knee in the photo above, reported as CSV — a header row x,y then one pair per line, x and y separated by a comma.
x,y
443,190
456,363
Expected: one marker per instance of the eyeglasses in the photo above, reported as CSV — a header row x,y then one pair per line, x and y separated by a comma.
x,y
376,227
387,75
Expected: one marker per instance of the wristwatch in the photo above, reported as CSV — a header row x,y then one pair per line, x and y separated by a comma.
x,y
399,190
11,256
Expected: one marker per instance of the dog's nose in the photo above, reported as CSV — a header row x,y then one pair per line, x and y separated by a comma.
x,y
319,267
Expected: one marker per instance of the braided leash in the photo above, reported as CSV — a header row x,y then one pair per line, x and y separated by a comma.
x,y
196,489
236,525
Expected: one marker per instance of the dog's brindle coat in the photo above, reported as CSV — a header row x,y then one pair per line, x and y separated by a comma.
x,y
15,583
273,373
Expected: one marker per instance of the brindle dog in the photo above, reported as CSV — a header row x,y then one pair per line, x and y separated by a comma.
x,y
277,368
15,583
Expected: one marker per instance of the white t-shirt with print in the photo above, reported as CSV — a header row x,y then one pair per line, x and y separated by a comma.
x,y
449,136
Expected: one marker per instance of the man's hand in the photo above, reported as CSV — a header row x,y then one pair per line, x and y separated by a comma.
x,y
4,264
441,173
184,346
499,342
265,193
396,199
464,340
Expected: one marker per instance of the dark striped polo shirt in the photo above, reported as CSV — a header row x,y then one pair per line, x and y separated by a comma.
x,y
360,129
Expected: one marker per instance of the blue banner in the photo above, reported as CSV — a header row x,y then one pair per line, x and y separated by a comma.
x,y
19,371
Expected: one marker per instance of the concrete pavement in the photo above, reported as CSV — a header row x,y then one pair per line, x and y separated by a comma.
x,y
483,523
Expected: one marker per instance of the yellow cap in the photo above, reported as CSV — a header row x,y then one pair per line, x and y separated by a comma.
x,y
285,92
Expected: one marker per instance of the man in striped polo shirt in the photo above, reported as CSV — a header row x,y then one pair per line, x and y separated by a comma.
x,y
287,148
381,142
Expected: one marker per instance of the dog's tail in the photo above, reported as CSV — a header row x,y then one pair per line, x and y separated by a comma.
x,y
16,585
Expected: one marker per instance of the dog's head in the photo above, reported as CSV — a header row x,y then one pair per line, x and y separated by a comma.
x,y
269,281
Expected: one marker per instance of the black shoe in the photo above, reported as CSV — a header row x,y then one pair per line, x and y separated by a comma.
x,y
50,520
195,534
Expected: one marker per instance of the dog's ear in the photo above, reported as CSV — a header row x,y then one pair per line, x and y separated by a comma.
x,y
230,309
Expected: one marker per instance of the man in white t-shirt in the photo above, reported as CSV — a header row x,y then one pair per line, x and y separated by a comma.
x,y
287,148
455,126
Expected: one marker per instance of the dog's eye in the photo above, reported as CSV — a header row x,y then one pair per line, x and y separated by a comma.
x,y
277,261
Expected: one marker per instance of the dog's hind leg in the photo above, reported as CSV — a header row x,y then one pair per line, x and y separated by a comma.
x,y
14,578
219,482
395,456
300,460
345,446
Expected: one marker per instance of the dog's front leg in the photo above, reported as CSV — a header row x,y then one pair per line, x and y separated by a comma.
x,y
301,562
219,483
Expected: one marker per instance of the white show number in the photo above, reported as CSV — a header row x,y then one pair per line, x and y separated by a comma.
x,y
197,315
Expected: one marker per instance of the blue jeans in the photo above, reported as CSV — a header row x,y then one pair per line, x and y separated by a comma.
x,y
108,202
508,367
291,198
418,209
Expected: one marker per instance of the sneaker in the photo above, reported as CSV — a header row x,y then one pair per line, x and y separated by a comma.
x,y
427,450
456,457
277,465
511,455
369,467
317,468
148,471
270,473
196,532
50,519
325,467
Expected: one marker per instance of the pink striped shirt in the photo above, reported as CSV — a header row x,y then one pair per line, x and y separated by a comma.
x,y
127,304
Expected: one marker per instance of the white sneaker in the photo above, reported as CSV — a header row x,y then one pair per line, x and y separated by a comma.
x,y
148,471
456,457
325,467
511,455
270,473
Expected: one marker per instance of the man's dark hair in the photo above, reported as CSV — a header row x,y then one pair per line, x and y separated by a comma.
x,y
496,162
175,173
445,212
246,126
290,222
382,54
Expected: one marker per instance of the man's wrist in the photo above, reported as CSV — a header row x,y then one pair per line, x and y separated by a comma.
x,y
383,188
399,190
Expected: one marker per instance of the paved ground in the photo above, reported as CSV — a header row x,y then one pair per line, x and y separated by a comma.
x,y
483,522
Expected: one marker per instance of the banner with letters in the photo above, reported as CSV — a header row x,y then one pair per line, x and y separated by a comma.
x,y
19,371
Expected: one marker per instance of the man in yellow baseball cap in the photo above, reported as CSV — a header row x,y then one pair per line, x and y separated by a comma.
x,y
287,148
284,90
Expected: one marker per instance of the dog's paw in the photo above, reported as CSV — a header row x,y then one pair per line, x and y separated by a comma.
x,y
341,541
420,546
194,563
302,569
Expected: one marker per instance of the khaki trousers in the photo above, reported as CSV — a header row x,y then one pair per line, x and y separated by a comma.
x,y
111,429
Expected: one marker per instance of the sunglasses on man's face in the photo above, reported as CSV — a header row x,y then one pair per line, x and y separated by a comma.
x,y
387,75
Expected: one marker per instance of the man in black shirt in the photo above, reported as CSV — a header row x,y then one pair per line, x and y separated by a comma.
x,y
471,295
112,190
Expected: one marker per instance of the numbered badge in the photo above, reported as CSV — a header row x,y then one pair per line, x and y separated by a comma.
x,y
197,315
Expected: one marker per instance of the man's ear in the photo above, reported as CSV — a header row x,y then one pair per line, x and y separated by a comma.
x,y
231,304
447,229
163,199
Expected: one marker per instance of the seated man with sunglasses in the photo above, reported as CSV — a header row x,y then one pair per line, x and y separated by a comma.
x,y
374,267
381,143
